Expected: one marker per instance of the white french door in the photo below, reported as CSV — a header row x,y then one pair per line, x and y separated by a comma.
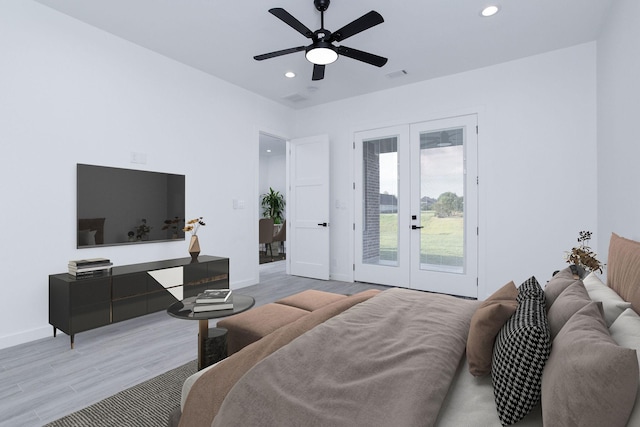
x,y
416,210
382,195
444,200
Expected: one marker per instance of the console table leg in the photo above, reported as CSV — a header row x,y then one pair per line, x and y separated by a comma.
x,y
71,337
203,334
55,331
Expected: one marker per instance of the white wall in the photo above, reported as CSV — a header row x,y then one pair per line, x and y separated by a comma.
x,y
537,150
618,111
74,94
71,93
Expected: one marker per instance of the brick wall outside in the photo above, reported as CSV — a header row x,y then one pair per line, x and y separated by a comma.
x,y
371,208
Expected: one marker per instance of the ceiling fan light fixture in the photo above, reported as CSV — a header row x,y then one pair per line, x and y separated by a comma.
x,y
490,11
321,53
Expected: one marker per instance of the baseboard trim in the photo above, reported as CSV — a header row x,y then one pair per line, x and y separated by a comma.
x,y
26,336
342,277
243,283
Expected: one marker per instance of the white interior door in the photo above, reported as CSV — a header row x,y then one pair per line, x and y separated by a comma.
x,y
416,206
308,207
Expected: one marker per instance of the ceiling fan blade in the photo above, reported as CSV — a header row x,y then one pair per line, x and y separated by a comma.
x,y
278,53
318,72
288,19
367,57
365,22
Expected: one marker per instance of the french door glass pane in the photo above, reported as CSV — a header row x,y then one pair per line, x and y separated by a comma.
x,y
380,201
442,200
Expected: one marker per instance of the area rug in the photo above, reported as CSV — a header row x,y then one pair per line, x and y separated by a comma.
x,y
146,404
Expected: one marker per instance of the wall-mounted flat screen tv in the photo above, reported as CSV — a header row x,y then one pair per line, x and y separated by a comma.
x,y
124,206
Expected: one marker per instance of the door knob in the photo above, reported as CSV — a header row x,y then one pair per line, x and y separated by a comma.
x,y
323,224
415,227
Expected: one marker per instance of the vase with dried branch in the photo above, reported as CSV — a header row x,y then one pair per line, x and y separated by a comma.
x,y
582,255
194,244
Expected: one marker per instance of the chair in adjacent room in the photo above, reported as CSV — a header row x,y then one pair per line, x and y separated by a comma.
x,y
281,236
265,227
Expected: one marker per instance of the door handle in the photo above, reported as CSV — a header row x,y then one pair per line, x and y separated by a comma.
x,y
415,227
323,224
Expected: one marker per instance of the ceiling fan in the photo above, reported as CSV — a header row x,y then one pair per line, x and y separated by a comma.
x,y
322,51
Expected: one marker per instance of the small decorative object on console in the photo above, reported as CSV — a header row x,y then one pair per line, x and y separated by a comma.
x,y
194,245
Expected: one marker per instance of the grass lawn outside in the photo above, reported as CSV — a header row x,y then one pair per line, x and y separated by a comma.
x,y
441,239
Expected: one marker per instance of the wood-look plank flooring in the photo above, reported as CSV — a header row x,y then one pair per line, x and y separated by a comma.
x,y
44,380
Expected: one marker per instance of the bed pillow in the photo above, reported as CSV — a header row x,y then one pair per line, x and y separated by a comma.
x,y
530,289
589,380
623,269
558,283
612,304
626,332
521,350
566,305
626,329
485,325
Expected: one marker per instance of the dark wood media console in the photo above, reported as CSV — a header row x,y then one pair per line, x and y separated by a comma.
x,y
130,291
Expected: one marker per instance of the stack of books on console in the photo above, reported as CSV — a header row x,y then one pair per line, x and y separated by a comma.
x,y
87,268
213,299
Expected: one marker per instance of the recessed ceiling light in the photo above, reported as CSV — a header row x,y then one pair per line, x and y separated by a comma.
x,y
490,11
290,74
268,151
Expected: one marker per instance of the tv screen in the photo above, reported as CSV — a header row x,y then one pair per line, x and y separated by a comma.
x,y
124,206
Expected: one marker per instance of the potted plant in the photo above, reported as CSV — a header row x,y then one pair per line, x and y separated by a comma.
x,y
273,205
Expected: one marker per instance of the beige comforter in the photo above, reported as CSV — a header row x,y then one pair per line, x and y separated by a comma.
x,y
209,391
386,361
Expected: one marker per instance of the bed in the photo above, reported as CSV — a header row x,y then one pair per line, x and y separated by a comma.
x,y
562,354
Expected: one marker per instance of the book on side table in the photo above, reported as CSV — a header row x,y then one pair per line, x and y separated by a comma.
x,y
200,307
213,296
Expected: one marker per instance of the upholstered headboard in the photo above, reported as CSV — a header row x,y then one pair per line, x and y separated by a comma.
x,y
623,269
90,231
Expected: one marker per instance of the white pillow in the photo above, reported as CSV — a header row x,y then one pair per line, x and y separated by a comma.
x,y
626,332
612,303
626,329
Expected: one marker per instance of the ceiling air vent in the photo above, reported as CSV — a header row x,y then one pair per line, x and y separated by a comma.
x,y
296,97
396,74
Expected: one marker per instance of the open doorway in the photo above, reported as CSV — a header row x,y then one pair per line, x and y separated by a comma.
x,y
272,185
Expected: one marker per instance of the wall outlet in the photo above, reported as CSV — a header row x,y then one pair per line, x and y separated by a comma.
x,y
140,158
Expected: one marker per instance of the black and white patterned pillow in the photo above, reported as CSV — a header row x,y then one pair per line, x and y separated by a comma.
x,y
520,352
531,289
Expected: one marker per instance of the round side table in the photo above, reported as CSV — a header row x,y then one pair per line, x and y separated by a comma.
x,y
184,310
